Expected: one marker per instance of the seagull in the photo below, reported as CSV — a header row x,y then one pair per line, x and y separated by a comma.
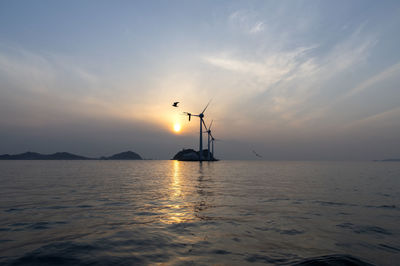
x,y
258,155
175,104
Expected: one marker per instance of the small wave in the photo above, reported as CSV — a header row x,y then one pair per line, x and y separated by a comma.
x,y
332,260
390,248
85,206
382,206
19,224
221,252
57,207
39,226
146,213
182,227
36,226
364,229
14,209
281,231
265,259
331,203
291,232
64,253
276,200
116,204
383,194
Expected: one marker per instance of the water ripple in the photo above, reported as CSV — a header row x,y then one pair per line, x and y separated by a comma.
x,y
364,229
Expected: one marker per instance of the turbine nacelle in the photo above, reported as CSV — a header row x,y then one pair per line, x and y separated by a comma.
x,y
188,114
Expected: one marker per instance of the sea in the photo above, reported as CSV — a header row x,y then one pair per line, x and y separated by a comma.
x,y
190,213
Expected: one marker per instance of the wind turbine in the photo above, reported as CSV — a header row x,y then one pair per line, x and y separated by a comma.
x,y
209,136
201,116
211,140
212,144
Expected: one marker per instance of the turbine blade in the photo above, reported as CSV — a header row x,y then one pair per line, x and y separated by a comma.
x,y
210,124
206,107
205,126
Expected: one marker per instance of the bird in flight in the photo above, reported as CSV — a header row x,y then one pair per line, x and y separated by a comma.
x,y
256,154
175,104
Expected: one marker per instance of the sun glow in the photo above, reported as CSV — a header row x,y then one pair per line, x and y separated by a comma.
x,y
177,127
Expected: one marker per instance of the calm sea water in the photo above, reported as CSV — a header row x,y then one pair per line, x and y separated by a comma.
x,y
227,212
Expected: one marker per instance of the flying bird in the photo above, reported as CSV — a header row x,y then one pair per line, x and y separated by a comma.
x,y
175,104
258,155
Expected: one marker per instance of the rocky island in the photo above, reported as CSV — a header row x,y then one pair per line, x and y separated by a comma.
x,y
127,155
193,156
388,160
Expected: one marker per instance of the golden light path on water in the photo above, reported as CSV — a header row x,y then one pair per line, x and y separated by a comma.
x,y
176,182
178,209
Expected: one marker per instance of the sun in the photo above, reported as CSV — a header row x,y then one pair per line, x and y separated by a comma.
x,y
177,127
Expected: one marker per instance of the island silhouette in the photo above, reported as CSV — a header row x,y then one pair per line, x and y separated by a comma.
x,y
183,155
127,155
193,156
388,160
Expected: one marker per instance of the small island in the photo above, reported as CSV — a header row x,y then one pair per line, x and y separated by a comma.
x,y
191,155
388,160
127,155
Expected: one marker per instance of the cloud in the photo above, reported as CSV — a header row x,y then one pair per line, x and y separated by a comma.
x,y
272,69
389,72
258,27
44,88
246,21
287,88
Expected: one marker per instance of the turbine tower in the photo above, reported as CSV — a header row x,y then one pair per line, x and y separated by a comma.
x,y
201,116
212,145
209,136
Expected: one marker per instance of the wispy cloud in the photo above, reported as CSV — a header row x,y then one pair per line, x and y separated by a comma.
x,y
287,84
389,72
246,21
40,87
272,69
258,27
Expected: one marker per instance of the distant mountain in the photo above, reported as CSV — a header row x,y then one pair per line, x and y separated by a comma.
x,y
127,155
388,160
66,156
38,156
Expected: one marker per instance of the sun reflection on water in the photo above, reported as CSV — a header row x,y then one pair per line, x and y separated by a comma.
x,y
176,182
177,210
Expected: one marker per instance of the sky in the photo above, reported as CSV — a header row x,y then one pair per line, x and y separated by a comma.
x,y
291,80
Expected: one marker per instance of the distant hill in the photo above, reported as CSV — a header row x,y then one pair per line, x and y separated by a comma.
x,y
388,160
128,155
38,156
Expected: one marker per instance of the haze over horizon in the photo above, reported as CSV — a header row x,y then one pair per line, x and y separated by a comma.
x,y
293,80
